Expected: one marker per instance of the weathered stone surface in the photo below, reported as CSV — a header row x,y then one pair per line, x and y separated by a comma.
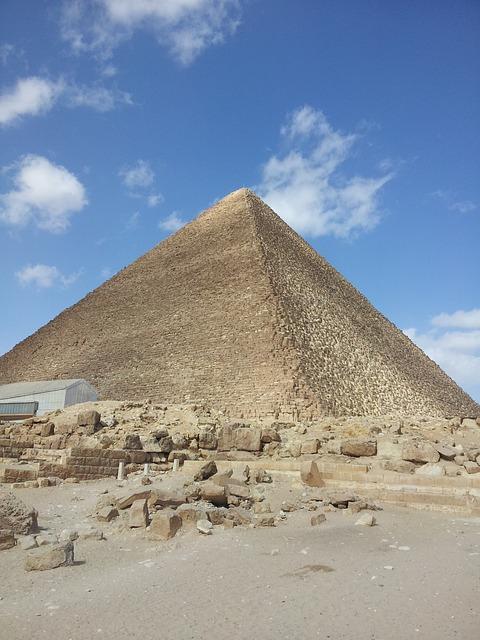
x,y
317,518
7,539
27,543
47,429
127,499
206,471
431,469
248,439
389,448
471,467
310,474
226,438
138,514
107,514
400,466
207,440
214,493
264,520
192,513
167,498
88,532
366,520
446,452
164,525
50,557
238,490
15,515
262,507
240,516
310,446
69,535
132,441
359,448
205,527
269,434
89,419
420,452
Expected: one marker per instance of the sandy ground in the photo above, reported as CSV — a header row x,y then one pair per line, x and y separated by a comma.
x,y
414,575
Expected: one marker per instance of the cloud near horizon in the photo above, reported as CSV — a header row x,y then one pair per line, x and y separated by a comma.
x,y
453,343
185,27
306,187
44,194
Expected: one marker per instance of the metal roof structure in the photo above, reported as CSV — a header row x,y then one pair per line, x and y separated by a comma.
x,y
18,389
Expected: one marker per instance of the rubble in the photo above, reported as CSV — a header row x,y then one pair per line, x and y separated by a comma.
x,y
52,557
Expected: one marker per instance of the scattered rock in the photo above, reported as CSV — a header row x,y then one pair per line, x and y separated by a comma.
x,y
268,434
264,521
358,448
248,439
205,526
164,525
15,515
446,452
58,555
214,493
471,467
310,474
27,543
132,441
107,514
431,469
420,452
366,520
399,466
7,539
310,446
46,538
138,514
318,518
68,535
206,471
90,533
127,499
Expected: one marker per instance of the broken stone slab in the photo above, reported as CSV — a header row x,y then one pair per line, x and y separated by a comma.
x,y
7,539
366,520
164,525
238,490
248,439
446,451
68,535
206,471
207,440
138,514
264,520
471,467
205,527
400,466
164,498
46,538
192,513
317,519
16,515
431,469
214,493
310,446
420,452
90,533
310,474
86,418
358,448
27,543
51,557
389,448
127,499
269,434
132,441
107,514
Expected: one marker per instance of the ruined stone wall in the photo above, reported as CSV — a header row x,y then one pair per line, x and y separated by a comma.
x,y
352,358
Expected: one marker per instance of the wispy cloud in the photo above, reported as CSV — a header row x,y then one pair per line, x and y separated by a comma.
x,y
138,175
306,187
45,276
34,95
453,341
43,194
452,202
171,223
154,199
184,27
133,221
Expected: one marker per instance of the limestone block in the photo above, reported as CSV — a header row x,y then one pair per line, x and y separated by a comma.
x,y
107,514
127,499
214,493
207,440
206,471
248,439
471,467
138,514
389,448
420,452
431,469
269,434
359,448
310,475
50,557
310,446
15,515
446,451
164,525
7,539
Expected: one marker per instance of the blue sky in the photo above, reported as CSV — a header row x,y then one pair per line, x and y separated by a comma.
x,y
358,122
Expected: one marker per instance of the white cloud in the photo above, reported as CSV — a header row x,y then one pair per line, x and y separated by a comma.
x,y
463,206
305,186
44,276
6,50
457,352
448,197
133,221
96,97
155,199
459,319
184,27
139,175
29,96
44,194
171,223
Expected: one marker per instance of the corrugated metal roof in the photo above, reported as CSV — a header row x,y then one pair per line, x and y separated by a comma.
x,y
16,389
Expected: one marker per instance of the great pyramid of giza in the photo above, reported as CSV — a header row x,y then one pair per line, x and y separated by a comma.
x,y
236,310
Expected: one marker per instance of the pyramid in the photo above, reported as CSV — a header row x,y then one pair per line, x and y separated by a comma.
x,y
237,311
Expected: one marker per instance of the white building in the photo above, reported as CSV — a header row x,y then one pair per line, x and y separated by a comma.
x,y
50,395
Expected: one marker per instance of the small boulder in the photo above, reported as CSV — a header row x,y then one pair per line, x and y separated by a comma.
x,y
366,520
107,514
206,471
51,557
310,446
420,452
15,515
204,526
358,448
446,451
164,525
471,467
248,439
138,514
310,475
431,469
317,519
7,539
214,493
132,441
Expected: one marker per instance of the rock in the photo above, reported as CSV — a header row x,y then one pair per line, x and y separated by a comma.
x,y
90,420
132,441
310,446
164,525
264,521
294,449
340,499
310,475
469,423
400,466
357,506
248,439
27,543
138,514
226,439
68,535
164,498
58,555
7,539
471,467
191,514
431,469
72,480
207,440
389,448
358,448
43,482
165,445
420,452
107,514
206,471
472,454
366,520
446,451
261,476
238,490
205,527
228,524
47,430
460,459
90,533
317,519
240,516
146,481
15,515
179,441
288,507
46,538
268,434
214,493
127,499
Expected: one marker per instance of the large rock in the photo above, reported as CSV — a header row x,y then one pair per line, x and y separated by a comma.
x,y
214,493
50,557
389,448
248,439
138,514
192,513
471,467
7,539
206,471
420,452
164,525
207,440
127,499
226,439
310,446
431,469
310,475
167,498
132,441
15,515
446,451
358,448
269,434
90,420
